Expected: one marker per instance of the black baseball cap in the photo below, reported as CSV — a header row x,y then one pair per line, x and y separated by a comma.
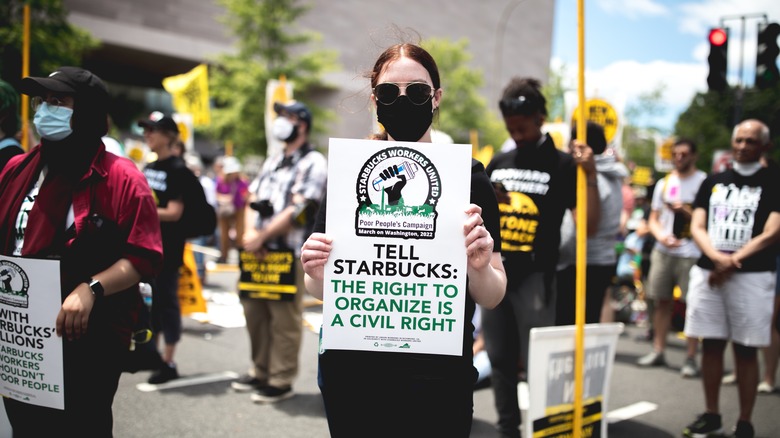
x,y
297,108
67,80
160,122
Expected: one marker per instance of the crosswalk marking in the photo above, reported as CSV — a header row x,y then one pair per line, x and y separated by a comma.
x,y
614,416
630,411
188,381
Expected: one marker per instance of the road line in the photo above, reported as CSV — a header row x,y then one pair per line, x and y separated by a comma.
x,y
630,411
188,381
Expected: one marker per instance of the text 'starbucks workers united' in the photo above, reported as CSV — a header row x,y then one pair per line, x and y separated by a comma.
x,y
397,192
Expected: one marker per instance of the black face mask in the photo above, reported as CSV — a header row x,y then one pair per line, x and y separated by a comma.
x,y
405,121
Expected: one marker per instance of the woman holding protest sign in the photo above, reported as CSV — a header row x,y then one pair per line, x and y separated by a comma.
x,y
409,394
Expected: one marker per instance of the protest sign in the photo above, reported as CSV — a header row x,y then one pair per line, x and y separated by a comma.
x,y
551,379
31,369
396,278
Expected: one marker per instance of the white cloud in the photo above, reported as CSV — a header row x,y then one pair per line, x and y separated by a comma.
x,y
623,82
697,17
633,8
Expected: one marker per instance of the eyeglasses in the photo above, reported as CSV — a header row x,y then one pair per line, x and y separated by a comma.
x,y
417,92
53,102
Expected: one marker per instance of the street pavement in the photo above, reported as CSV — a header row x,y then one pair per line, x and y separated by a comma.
x,y
214,349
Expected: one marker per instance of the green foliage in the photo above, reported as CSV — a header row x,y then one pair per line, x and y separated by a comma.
x,y
463,108
639,140
554,91
711,117
266,49
53,41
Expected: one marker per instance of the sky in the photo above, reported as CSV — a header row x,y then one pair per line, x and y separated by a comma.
x,y
633,47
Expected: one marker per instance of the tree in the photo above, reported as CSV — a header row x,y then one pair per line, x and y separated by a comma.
x,y
639,139
464,108
265,48
554,92
711,117
53,41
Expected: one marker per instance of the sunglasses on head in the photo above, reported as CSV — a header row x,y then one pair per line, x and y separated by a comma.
x,y
522,105
417,92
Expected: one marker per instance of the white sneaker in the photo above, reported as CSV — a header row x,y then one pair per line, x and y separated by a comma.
x,y
689,368
729,379
765,388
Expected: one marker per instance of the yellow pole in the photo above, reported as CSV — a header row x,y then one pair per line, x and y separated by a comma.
x,y
25,103
474,137
582,230
229,148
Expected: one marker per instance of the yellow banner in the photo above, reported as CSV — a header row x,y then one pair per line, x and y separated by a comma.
x,y
190,93
190,289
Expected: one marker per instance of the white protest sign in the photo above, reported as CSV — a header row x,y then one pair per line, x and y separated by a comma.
x,y
551,379
396,278
31,369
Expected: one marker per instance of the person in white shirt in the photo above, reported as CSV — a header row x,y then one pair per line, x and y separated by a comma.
x,y
675,252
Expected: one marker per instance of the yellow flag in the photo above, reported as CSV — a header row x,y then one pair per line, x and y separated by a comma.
x,y
190,93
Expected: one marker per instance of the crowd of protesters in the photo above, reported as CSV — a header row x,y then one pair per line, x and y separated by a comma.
x,y
715,238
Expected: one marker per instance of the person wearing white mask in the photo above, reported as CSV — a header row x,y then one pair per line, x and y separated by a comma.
x,y
731,290
279,217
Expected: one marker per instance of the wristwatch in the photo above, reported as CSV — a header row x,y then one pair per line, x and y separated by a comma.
x,y
96,288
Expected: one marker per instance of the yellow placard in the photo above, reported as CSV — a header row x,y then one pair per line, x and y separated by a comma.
x,y
190,289
601,112
642,176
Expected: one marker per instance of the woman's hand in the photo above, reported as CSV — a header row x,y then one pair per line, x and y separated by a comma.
x,y
314,254
479,243
487,280
73,318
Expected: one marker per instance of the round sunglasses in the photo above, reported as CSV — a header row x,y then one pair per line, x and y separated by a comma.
x,y
417,92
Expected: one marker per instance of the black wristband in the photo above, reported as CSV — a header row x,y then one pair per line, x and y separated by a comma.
x,y
96,288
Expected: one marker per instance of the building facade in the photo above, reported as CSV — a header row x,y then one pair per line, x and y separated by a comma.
x,y
144,41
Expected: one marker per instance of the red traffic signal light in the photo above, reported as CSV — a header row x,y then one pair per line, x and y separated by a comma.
x,y
718,37
718,59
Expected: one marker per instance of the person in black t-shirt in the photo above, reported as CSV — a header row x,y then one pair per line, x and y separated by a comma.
x,y
736,224
422,395
535,183
167,179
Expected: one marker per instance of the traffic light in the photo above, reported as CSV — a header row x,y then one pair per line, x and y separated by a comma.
x,y
767,73
718,60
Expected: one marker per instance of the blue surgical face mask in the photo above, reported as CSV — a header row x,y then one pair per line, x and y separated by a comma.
x,y
53,125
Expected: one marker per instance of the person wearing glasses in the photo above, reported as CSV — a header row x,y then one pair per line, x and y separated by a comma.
x,y
282,198
68,199
535,183
386,394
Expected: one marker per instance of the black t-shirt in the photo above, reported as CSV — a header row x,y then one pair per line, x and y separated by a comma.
x,y
481,194
167,179
536,184
737,209
9,151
